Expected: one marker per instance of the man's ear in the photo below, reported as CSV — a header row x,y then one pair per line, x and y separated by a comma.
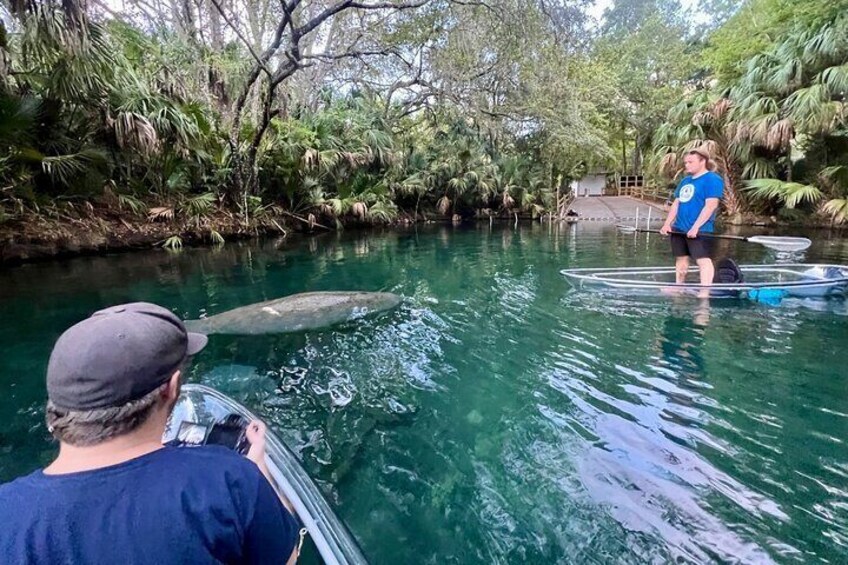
x,y
172,392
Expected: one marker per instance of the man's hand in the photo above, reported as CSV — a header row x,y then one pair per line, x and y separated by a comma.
x,y
256,436
666,229
693,233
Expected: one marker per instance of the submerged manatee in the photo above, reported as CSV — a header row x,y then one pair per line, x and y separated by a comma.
x,y
307,311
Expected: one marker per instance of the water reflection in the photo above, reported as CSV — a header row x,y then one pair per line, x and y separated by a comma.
x,y
646,466
682,336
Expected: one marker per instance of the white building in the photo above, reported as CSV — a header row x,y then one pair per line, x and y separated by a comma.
x,y
592,184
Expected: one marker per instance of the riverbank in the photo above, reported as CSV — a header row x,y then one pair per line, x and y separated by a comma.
x,y
93,230
89,230
35,236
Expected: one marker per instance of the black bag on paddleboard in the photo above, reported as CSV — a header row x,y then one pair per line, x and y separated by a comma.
x,y
728,272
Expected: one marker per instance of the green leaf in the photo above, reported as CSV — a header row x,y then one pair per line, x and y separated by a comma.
x,y
837,209
790,194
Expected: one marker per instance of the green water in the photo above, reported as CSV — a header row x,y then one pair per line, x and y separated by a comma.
x,y
498,416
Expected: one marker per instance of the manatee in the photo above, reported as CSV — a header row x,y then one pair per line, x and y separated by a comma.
x,y
307,311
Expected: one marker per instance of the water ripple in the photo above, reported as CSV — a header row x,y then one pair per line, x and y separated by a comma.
x,y
498,416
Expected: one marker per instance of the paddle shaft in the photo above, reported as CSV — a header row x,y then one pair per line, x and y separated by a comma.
x,y
713,235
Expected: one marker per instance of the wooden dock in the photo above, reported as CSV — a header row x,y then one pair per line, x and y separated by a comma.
x,y
616,209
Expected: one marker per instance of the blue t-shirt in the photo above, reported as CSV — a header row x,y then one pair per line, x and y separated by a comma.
x,y
174,505
693,194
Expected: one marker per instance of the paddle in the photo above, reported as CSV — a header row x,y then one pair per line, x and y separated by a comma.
x,y
778,243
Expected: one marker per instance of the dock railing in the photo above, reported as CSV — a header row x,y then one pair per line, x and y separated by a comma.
x,y
637,186
565,201
652,192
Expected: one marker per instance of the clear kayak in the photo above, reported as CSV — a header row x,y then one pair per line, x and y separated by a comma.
x,y
796,280
199,414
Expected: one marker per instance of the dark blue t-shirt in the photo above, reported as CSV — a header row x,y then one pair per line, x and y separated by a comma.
x,y
693,194
175,505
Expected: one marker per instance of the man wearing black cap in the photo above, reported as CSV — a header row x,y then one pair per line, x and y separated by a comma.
x,y
115,493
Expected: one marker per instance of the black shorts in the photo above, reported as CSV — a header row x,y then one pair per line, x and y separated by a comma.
x,y
698,248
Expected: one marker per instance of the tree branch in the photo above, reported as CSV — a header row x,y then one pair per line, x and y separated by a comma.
x,y
254,73
310,26
350,55
241,37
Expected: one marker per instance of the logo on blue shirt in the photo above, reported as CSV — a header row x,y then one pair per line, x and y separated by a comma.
x,y
687,192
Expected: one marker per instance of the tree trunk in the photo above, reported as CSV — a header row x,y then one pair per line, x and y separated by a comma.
x,y
557,206
244,178
637,157
789,163
76,14
732,199
623,153
215,79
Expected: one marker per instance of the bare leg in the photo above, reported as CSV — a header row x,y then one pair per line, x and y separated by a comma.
x,y
705,266
681,267
702,312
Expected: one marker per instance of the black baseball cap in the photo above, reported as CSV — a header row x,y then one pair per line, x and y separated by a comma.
x,y
117,355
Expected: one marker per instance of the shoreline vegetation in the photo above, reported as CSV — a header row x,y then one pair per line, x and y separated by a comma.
x,y
200,123
91,230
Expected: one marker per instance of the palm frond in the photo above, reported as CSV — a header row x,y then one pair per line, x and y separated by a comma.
x,y
507,201
827,44
836,80
337,207
173,243
200,205
132,204
837,209
670,164
160,213
383,211
216,238
835,177
721,107
780,134
63,168
810,109
135,131
359,209
787,76
759,168
790,194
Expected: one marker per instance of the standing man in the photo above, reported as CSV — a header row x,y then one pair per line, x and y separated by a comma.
x,y
115,494
693,212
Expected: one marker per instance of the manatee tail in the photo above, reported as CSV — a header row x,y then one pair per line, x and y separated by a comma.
x,y
196,326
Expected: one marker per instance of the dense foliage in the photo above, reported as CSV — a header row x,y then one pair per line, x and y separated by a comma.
x,y
360,111
775,114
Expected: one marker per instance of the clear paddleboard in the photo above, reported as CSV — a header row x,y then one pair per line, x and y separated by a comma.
x,y
797,280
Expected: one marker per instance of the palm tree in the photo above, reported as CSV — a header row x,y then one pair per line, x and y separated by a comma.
x,y
705,119
790,101
808,77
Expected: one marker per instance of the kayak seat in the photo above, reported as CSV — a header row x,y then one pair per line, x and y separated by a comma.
x,y
728,272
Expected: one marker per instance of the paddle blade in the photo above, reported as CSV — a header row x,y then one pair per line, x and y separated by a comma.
x,y
781,243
